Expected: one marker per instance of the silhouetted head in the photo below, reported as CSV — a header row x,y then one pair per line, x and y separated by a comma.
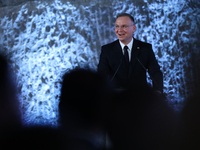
x,y
83,99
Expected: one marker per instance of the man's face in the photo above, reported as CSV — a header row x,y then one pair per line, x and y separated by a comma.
x,y
124,29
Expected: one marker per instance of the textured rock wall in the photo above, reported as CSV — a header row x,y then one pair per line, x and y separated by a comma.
x,y
44,39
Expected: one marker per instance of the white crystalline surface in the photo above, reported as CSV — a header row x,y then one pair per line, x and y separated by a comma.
x,y
43,40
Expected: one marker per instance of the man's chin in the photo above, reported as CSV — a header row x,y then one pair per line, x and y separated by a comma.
x,y
121,39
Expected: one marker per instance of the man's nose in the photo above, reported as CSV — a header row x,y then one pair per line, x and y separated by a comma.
x,y
120,28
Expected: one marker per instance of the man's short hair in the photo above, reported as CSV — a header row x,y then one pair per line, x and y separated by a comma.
x,y
125,14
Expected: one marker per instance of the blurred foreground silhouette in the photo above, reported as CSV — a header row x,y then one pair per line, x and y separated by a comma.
x,y
139,119
83,107
94,116
10,115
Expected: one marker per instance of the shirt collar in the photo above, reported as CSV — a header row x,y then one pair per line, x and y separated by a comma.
x,y
130,44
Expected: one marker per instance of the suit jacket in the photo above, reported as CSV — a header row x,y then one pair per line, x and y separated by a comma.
x,y
142,60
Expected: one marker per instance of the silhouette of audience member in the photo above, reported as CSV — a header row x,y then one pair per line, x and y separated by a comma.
x,y
190,129
139,120
12,134
10,117
83,106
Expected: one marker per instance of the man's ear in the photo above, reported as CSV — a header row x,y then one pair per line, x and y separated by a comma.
x,y
134,28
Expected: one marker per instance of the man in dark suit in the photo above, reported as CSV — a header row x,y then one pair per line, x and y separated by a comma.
x,y
126,60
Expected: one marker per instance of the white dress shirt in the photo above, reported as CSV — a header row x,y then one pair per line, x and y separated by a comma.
x,y
130,45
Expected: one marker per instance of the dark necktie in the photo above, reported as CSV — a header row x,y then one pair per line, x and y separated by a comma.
x,y
126,56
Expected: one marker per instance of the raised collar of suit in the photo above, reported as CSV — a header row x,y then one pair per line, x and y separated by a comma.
x,y
130,45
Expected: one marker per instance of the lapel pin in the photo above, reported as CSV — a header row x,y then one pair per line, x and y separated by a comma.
x,y
138,47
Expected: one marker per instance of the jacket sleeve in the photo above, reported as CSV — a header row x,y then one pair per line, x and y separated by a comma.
x,y
154,71
103,66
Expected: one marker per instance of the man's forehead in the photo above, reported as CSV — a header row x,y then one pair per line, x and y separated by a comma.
x,y
123,19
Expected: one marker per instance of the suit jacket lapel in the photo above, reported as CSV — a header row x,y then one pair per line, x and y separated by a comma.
x,y
134,54
117,50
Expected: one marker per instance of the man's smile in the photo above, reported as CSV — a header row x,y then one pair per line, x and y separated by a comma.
x,y
121,34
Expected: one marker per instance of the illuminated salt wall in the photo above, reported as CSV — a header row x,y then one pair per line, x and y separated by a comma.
x,y
42,40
